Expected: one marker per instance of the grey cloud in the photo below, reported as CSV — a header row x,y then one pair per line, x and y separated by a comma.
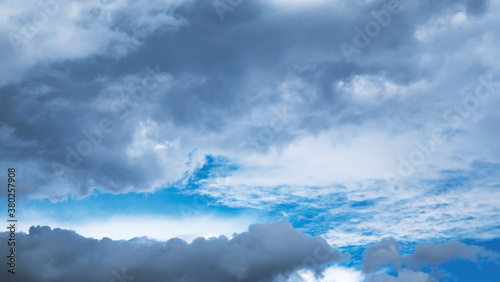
x,y
435,254
260,254
384,253
387,253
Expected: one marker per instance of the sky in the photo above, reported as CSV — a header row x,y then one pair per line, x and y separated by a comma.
x,y
251,140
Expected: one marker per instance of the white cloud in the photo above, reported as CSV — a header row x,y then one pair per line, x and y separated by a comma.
x,y
374,89
330,274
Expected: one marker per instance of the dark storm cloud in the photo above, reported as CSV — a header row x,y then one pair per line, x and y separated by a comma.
x,y
267,252
260,254
262,57
476,7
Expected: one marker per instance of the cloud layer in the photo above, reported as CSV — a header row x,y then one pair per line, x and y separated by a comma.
x,y
269,252
255,92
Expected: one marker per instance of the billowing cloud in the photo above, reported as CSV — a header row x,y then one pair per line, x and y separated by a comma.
x,y
266,252
384,253
435,254
387,253
261,254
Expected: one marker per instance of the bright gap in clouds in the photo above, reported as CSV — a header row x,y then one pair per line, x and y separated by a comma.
x,y
153,227
330,274
162,215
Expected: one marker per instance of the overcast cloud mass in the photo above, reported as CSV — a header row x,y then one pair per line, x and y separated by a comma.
x,y
370,127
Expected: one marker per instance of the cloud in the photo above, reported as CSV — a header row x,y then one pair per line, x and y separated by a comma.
x,y
387,254
260,254
436,254
214,93
262,110
330,274
384,253
266,252
45,31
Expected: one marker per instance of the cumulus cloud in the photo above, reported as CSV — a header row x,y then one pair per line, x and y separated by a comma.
x,y
435,254
261,254
384,253
408,267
